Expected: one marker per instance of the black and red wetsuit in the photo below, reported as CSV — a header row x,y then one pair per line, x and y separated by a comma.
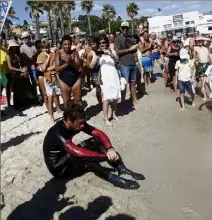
x,y
63,157
60,152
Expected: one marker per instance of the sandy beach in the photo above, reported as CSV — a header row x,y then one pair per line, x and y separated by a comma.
x,y
170,147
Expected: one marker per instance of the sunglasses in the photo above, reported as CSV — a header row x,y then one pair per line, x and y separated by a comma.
x,y
125,28
175,42
169,36
101,42
81,41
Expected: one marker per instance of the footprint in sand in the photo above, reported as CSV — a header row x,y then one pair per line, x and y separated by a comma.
x,y
189,213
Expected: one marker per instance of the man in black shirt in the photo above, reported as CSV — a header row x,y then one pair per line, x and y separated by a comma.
x,y
61,154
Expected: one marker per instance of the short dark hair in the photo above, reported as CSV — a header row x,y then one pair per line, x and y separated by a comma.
x,y
74,112
66,37
103,37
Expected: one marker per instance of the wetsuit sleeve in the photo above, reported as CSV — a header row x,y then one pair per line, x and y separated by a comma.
x,y
90,130
76,151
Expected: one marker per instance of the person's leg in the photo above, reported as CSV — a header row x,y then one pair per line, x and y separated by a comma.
x,y
125,73
174,83
77,89
41,83
132,79
88,80
9,88
50,108
99,95
189,89
65,92
105,108
33,83
114,106
182,93
94,144
203,90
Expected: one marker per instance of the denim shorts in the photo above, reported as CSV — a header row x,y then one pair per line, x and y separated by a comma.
x,y
33,75
128,72
51,88
185,86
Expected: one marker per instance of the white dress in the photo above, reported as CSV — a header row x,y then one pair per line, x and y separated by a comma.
x,y
111,88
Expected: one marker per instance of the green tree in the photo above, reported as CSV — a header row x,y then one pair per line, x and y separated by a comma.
x,y
8,22
132,11
71,6
87,6
109,14
47,6
35,9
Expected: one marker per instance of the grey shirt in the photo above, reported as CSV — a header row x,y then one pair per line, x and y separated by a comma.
x,y
121,43
28,52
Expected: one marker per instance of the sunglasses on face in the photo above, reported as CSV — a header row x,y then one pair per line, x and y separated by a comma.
x,y
169,36
125,28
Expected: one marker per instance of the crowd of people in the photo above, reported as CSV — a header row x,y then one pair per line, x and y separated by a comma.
x,y
107,63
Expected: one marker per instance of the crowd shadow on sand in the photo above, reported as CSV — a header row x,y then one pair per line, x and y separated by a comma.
x,y
208,106
27,120
47,202
17,140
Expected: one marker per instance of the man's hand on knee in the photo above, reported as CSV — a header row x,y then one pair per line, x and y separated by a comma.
x,y
112,155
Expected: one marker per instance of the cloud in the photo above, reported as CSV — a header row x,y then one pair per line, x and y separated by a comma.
x,y
191,2
147,11
170,7
194,6
96,7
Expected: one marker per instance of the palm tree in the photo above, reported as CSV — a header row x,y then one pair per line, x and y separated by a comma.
x,y
47,6
71,6
8,21
35,11
87,6
132,11
109,14
60,6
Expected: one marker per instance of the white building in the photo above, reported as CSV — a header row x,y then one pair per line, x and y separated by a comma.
x,y
205,27
185,22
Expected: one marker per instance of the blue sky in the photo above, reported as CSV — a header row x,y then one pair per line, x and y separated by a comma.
x,y
146,8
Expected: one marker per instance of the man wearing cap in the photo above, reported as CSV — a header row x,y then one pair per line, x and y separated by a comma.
x,y
126,50
28,53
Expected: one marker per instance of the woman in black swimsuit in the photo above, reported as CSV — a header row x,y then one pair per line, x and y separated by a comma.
x,y
68,65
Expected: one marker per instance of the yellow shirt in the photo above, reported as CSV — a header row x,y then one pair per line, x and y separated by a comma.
x,y
3,60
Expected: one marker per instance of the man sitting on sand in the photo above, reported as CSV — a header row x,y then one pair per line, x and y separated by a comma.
x,y
62,156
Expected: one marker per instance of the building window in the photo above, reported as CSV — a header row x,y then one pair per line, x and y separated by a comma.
x,y
192,22
210,28
187,23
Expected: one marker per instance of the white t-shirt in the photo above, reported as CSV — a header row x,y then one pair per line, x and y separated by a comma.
x,y
184,70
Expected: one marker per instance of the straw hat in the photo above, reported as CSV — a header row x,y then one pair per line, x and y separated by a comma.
x,y
12,43
25,34
184,54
